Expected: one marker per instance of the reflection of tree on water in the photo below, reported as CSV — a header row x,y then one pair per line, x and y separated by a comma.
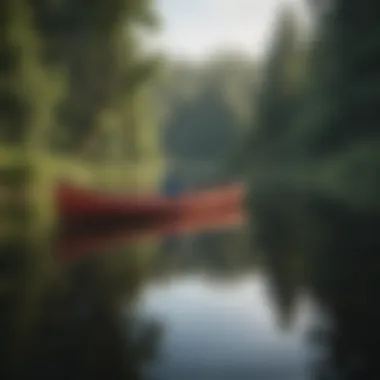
x,y
25,276
80,325
217,254
278,250
338,261
348,283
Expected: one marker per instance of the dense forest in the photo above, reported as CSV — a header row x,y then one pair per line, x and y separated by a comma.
x,y
77,81
320,90
78,55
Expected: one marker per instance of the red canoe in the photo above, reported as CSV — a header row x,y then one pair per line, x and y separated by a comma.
x,y
91,219
76,203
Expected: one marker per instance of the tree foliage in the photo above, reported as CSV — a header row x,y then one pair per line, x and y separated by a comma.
x,y
29,90
277,100
70,71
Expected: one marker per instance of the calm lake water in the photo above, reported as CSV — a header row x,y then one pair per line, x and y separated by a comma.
x,y
242,303
225,329
223,325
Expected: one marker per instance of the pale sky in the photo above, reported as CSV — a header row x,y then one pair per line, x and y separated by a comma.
x,y
193,28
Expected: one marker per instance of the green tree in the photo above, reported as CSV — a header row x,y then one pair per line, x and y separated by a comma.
x,y
275,103
346,91
98,46
29,89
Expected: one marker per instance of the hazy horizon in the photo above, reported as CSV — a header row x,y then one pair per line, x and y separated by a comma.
x,y
195,30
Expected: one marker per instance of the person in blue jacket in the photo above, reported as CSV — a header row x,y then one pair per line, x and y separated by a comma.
x,y
172,185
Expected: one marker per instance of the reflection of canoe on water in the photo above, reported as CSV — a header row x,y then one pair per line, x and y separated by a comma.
x,y
91,219
76,246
